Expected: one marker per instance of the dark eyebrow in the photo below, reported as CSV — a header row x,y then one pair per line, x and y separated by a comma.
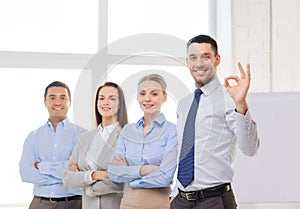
x,y
191,55
101,95
206,53
54,95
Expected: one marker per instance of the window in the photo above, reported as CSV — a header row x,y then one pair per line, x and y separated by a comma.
x,y
63,26
183,19
128,76
22,111
43,41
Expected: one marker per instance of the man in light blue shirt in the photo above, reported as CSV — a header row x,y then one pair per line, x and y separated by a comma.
x,y
47,150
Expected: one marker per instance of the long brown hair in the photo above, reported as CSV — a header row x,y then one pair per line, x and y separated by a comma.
x,y
122,112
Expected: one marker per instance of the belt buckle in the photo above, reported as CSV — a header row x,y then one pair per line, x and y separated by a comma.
x,y
190,196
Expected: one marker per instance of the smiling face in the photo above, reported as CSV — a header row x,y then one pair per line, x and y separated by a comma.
x,y
108,104
151,97
202,62
57,102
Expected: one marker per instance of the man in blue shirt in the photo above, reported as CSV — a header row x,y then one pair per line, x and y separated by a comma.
x,y
47,150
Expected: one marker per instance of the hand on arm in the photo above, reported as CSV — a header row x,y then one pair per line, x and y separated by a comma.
x,y
99,175
146,169
239,91
96,175
119,160
73,167
37,165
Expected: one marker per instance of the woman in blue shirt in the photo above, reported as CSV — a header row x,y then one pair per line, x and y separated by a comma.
x,y
145,156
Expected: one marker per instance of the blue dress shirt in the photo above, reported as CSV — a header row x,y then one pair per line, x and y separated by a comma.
x,y
52,150
157,147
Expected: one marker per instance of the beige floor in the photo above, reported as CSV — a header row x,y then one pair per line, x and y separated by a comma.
x,y
269,206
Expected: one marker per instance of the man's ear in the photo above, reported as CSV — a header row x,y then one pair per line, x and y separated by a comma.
x,y
218,60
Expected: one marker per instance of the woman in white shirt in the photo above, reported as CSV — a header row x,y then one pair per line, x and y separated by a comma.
x,y
87,166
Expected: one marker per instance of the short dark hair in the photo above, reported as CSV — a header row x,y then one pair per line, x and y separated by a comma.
x,y
204,39
122,112
57,84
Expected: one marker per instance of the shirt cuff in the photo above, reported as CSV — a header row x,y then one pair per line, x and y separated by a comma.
x,y
88,177
89,191
174,192
244,120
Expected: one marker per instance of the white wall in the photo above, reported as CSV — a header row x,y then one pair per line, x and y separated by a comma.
x,y
273,174
267,34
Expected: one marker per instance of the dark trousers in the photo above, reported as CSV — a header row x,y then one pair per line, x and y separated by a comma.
x,y
38,203
225,201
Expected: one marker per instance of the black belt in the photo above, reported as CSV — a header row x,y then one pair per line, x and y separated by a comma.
x,y
59,199
209,192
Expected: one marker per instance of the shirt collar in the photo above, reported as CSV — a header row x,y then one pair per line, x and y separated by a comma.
x,y
159,120
109,128
211,86
64,123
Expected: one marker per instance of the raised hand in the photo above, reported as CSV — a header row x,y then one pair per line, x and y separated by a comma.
x,y
239,91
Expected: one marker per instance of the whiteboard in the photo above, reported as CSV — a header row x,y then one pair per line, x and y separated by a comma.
x,y
273,175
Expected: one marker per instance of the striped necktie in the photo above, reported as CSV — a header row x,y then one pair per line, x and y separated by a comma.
x,y
186,160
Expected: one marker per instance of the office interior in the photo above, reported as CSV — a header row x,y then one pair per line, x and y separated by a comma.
x,y
84,43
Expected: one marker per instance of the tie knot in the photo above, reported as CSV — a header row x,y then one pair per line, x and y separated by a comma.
x,y
197,94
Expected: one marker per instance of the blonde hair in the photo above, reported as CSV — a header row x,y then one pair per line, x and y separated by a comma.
x,y
157,78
